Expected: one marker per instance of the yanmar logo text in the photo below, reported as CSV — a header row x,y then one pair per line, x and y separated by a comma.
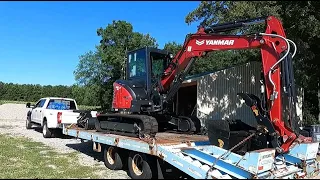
x,y
215,42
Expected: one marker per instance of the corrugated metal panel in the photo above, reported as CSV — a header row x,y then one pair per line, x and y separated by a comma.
x,y
217,93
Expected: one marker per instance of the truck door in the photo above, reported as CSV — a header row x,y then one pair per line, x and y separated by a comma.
x,y
36,112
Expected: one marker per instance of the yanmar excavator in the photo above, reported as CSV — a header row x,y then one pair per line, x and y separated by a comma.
x,y
141,102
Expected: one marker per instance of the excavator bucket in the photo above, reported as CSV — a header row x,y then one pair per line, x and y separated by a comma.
x,y
228,133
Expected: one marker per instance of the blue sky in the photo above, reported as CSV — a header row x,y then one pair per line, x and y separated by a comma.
x,y
40,42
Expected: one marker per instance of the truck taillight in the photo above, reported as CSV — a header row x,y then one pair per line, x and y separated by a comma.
x,y
97,114
59,116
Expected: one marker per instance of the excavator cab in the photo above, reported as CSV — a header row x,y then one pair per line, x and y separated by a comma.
x,y
146,65
144,70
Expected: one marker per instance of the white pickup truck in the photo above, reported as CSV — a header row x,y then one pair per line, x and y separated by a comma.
x,y
51,112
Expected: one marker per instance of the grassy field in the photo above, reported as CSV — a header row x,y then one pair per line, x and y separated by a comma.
x,y
81,107
23,158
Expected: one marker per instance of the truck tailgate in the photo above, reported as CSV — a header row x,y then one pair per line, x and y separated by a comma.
x,y
69,117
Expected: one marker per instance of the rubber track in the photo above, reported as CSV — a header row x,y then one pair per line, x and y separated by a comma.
x,y
150,124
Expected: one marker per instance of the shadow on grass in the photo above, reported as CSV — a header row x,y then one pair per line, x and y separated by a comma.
x,y
86,148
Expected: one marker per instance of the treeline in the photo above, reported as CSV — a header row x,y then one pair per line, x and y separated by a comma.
x,y
33,92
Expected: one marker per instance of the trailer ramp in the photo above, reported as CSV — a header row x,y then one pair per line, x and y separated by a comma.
x,y
202,162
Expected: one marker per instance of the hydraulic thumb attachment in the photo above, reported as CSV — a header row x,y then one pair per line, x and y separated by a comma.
x,y
264,124
227,133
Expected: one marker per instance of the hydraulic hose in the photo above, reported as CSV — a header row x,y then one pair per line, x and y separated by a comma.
x,y
295,47
274,93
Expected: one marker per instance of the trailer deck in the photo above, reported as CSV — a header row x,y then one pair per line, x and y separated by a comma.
x,y
193,155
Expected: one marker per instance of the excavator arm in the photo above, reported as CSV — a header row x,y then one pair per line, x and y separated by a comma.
x,y
274,48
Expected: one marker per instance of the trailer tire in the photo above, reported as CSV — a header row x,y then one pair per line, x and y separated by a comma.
x,y
46,132
28,123
112,158
141,170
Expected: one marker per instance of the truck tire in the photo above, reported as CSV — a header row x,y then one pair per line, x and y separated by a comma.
x,y
112,158
28,123
46,132
139,167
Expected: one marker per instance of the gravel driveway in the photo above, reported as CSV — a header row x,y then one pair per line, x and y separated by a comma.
x,y
12,121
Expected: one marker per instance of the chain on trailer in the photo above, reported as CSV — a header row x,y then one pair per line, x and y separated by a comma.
x,y
145,137
229,151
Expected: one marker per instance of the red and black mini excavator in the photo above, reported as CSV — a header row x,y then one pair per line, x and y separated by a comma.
x,y
141,103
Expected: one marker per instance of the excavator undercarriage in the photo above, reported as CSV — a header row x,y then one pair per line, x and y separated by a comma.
x,y
127,124
137,125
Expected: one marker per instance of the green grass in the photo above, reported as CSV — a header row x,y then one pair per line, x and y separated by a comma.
x,y
81,107
23,158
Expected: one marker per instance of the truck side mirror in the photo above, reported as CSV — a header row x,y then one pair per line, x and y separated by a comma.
x,y
28,105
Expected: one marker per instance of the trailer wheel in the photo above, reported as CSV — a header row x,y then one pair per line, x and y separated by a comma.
x,y
112,158
28,123
139,167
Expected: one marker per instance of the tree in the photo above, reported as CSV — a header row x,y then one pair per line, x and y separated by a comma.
x,y
90,73
118,38
89,70
86,95
172,47
32,92
296,17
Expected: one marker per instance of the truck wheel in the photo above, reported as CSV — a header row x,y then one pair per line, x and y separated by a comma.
x,y
28,123
112,158
46,132
138,166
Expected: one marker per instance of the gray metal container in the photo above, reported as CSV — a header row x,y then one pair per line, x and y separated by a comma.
x,y
217,93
